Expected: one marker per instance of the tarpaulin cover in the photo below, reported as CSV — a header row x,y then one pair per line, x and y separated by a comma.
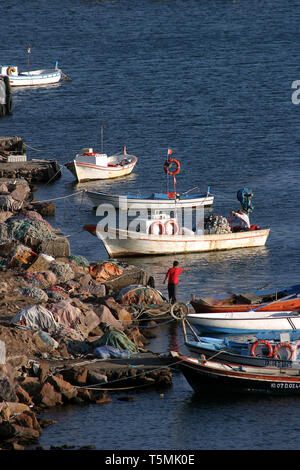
x,y
102,272
105,352
65,313
36,317
118,340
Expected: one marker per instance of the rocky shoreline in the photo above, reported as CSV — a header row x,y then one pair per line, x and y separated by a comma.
x,y
69,329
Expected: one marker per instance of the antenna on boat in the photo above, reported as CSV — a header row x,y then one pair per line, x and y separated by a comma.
x,y
101,136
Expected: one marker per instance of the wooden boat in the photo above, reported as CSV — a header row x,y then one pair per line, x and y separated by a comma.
x,y
90,165
165,201
161,235
31,78
244,322
276,350
285,300
223,377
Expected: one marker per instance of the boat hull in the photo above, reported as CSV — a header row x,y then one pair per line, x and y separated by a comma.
x,y
122,243
293,304
154,202
35,78
244,322
89,172
220,378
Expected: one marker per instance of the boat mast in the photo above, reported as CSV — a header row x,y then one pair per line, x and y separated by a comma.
x,y
28,52
101,137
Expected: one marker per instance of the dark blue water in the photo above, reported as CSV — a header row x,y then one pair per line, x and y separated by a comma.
x,y
211,80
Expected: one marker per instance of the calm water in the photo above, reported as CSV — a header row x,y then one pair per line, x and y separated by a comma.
x,y
211,80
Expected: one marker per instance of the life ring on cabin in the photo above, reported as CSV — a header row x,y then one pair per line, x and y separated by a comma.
x,y
258,343
10,70
168,164
89,154
159,224
174,227
286,346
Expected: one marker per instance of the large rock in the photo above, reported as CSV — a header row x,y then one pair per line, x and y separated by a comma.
x,y
107,318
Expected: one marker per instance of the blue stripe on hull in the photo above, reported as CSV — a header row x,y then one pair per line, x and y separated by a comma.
x,y
212,329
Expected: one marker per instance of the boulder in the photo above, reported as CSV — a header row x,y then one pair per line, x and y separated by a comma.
x,y
75,375
48,397
107,318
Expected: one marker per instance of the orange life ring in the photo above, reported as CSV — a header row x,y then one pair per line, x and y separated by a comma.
x,y
257,343
10,70
168,164
284,345
175,226
157,223
89,154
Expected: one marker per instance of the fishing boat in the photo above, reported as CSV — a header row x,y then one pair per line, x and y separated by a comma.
x,y
90,165
169,200
245,322
155,201
284,300
31,78
208,376
265,349
162,235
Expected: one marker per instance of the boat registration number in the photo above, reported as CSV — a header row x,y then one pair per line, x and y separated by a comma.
x,y
284,385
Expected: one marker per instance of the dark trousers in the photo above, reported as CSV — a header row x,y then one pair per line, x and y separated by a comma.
x,y
172,290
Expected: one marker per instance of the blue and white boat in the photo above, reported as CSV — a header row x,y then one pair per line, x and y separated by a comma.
x,y
31,78
155,201
245,322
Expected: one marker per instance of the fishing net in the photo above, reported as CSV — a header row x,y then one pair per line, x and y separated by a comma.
x,y
216,224
140,295
35,293
79,260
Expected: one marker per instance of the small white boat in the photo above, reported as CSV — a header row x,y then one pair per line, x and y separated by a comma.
x,y
31,78
156,201
90,165
162,235
245,322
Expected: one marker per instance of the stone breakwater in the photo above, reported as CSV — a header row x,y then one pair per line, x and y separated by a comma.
x,y
68,328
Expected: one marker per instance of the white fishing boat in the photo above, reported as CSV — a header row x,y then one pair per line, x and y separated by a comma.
x,y
161,235
155,201
90,165
245,322
31,78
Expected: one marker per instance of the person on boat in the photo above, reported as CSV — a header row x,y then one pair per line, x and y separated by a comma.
x,y
243,220
173,281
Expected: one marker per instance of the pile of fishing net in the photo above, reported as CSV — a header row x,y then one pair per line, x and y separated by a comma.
x,y
216,224
35,292
29,231
140,295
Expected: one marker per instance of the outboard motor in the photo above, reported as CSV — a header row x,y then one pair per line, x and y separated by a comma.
x,y
244,196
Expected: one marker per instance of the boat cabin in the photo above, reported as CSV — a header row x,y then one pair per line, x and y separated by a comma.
x,y
89,156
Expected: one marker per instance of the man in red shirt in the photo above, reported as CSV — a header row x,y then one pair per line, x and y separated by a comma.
x,y
173,281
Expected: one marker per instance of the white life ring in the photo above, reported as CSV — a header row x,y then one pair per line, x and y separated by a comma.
x,y
286,347
174,227
159,224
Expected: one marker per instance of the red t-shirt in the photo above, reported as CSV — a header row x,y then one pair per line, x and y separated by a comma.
x,y
173,274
